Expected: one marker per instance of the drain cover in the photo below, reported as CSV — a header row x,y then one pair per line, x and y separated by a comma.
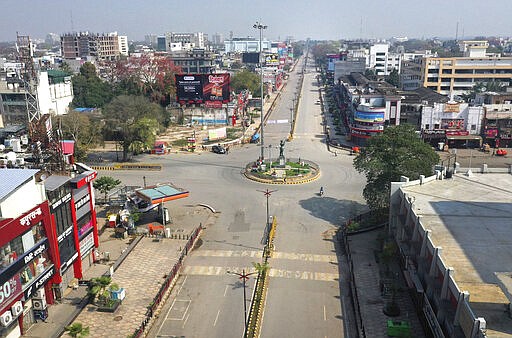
x,y
118,318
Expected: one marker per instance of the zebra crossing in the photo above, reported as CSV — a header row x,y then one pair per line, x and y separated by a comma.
x,y
208,270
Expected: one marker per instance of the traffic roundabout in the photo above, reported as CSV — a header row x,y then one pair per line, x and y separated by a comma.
x,y
278,171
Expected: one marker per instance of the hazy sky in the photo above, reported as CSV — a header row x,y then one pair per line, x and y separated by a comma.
x,y
316,19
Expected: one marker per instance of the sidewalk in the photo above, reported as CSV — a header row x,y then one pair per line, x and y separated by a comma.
x,y
370,296
141,273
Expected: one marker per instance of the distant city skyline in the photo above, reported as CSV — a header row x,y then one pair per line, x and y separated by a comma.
x,y
318,20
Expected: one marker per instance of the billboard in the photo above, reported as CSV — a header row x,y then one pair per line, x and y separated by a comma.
x,y
272,60
216,87
202,88
189,88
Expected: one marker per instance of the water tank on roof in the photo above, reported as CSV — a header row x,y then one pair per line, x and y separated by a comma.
x,y
11,156
16,145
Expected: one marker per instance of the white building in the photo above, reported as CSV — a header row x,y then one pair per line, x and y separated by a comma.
x,y
460,122
123,45
382,61
244,45
184,41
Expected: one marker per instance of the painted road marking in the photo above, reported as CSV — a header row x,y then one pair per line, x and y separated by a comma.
x,y
183,308
278,273
275,255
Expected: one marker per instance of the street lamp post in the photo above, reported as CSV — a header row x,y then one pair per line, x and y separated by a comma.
x,y
244,277
144,179
261,27
267,194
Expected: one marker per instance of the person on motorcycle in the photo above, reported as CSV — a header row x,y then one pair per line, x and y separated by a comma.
x,y
321,191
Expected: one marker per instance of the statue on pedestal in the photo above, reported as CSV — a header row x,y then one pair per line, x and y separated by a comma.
x,y
281,148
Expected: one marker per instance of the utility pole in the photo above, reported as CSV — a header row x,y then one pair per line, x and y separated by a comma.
x,y
261,27
244,277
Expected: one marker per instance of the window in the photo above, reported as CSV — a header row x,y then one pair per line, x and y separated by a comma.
x,y
427,126
473,127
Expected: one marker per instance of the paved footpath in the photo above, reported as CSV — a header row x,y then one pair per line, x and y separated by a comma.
x,y
141,275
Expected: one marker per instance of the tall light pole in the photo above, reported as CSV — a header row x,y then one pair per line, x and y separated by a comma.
x,y
267,194
244,277
261,27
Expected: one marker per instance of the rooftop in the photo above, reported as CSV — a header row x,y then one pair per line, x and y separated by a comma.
x,y
11,179
470,218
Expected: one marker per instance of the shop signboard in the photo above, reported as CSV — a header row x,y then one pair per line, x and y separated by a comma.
x,y
272,60
452,123
457,133
23,261
9,291
86,245
451,108
38,282
491,133
368,117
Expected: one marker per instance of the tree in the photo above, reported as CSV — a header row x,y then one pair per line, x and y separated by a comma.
x,y
398,151
77,330
154,77
128,121
482,87
81,129
394,78
246,80
370,74
88,89
106,183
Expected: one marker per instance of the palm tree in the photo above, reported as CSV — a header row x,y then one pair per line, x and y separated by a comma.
x,y
77,330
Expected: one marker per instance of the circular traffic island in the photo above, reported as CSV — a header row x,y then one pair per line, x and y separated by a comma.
x,y
282,171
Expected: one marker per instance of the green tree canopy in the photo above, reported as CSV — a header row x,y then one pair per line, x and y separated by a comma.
x,y
131,120
106,183
394,78
398,151
246,80
88,89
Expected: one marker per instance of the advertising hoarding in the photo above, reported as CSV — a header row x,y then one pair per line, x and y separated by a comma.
x,y
369,117
200,88
189,88
216,87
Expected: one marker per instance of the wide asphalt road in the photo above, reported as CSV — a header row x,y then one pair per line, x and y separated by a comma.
x,y
306,291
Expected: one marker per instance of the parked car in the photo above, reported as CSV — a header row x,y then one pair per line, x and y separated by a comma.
x,y
218,149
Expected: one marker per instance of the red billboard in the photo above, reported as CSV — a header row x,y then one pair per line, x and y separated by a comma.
x,y
216,87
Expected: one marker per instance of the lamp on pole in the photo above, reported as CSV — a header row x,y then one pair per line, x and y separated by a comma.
x,y
261,27
267,194
144,179
244,277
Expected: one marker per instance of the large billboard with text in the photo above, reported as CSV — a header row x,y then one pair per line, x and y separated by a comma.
x,y
202,88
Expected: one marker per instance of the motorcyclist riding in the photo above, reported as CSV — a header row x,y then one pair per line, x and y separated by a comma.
x,y
321,191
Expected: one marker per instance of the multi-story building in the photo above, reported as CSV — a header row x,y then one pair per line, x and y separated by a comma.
x,y
452,123
370,106
382,61
54,94
184,41
455,245
458,75
123,45
102,47
195,61
49,233
245,45
410,69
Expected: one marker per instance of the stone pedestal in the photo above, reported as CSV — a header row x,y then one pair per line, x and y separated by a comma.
x,y
281,161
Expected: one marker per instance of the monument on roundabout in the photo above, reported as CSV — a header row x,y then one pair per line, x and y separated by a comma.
x,y
282,170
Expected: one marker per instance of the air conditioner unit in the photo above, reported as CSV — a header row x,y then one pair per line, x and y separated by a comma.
x,y
17,309
39,304
40,294
6,319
